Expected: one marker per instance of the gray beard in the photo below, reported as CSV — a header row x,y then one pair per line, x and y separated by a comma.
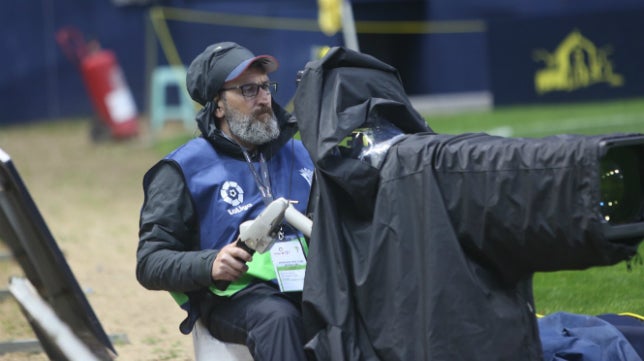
x,y
251,130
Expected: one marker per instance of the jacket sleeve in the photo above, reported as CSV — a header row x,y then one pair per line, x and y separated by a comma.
x,y
168,255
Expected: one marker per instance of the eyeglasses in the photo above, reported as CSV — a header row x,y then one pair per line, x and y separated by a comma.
x,y
252,89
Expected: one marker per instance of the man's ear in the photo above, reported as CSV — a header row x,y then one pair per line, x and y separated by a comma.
x,y
219,108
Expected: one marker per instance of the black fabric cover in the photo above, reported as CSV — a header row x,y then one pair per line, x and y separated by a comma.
x,y
431,256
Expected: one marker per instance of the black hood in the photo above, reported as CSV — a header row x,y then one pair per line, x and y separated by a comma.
x,y
333,98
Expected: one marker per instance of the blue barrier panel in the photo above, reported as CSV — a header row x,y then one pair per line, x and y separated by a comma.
x,y
438,46
566,58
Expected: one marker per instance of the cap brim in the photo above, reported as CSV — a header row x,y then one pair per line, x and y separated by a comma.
x,y
268,62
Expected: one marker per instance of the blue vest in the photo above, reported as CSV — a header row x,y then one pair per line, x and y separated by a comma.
x,y
225,193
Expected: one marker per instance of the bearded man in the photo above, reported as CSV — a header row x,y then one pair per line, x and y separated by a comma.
x,y
198,195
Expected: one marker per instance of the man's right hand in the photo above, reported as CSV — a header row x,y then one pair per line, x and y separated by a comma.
x,y
230,263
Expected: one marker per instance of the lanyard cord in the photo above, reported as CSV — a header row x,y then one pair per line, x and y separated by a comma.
x,y
263,181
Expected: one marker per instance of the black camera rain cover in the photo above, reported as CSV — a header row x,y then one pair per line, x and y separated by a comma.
x,y
430,257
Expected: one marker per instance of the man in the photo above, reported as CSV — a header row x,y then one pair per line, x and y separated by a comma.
x,y
198,195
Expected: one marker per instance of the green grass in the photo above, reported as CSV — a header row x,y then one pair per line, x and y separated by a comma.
x,y
598,290
537,121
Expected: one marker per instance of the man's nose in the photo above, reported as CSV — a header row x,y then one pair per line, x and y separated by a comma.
x,y
264,96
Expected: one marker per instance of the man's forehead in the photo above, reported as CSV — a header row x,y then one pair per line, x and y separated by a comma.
x,y
250,75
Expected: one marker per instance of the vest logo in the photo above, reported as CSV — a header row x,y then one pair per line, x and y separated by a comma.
x,y
232,193
307,174
576,63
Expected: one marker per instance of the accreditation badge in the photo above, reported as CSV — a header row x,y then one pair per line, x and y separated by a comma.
x,y
289,262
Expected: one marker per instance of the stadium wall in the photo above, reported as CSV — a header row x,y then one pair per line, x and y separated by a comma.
x,y
439,46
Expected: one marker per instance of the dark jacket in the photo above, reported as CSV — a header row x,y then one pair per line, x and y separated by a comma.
x,y
431,256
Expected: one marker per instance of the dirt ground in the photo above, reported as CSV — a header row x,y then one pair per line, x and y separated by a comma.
x,y
90,194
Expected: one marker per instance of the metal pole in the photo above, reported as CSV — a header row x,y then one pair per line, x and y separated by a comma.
x,y
349,26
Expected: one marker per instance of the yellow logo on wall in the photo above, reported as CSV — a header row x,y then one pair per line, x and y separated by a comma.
x,y
576,63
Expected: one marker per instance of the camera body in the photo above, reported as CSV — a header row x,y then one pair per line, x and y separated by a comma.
x,y
439,236
594,184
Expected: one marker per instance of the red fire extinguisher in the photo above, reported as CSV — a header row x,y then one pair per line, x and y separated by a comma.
x,y
105,82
